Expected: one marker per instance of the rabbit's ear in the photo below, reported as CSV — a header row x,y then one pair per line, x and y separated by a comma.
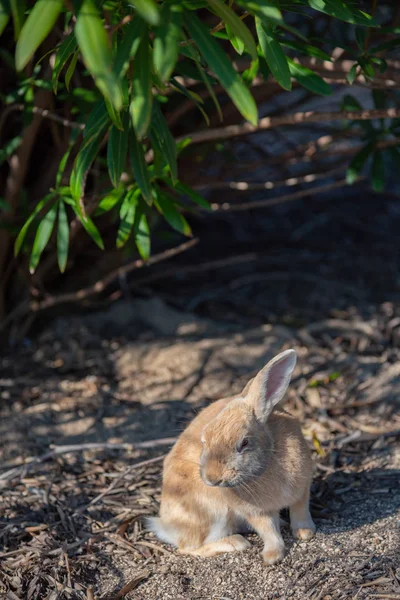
x,y
270,384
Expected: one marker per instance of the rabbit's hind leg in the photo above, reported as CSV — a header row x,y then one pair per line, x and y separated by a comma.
x,y
231,543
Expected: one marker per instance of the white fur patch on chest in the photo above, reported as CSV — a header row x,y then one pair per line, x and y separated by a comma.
x,y
220,527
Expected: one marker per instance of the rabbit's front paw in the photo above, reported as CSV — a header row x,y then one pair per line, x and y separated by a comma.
x,y
271,556
304,534
304,531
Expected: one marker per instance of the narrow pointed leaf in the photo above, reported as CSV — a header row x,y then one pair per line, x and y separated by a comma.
x,y
38,25
308,79
358,162
71,69
96,52
274,55
270,15
148,10
236,42
108,202
222,67
117,150
162,137
140,107
97,119
22,234
86,222
128,46
166,206
142,235
42,237
140,170
83,161
127,214
343,11
193,195
4,15
230,18
62,237
166,42
64,52
18,8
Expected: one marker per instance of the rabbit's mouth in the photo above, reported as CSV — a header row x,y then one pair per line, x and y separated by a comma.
x,y
218,483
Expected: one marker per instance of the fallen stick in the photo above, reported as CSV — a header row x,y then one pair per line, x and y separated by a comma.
x,y
62,450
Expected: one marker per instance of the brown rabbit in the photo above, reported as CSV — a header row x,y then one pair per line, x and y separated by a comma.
x,y
237,464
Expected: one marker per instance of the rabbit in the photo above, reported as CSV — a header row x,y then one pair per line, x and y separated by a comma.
x,y
237,464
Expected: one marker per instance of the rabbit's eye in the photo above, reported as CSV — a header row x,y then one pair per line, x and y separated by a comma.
x,y
242,445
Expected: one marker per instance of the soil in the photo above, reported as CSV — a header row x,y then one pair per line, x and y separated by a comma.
x,y
320,275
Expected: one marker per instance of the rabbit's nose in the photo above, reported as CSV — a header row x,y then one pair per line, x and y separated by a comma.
x,y
212,482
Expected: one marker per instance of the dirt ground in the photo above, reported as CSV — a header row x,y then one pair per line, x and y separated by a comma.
x,y
70,525
90,401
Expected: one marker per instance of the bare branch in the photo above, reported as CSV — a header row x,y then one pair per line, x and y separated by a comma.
x,y
99,286
224,133
227,206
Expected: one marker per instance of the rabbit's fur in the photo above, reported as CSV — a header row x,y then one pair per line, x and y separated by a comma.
x,y
237,464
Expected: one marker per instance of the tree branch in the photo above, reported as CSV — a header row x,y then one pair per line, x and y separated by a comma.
x,y
227,206
98,287
224,133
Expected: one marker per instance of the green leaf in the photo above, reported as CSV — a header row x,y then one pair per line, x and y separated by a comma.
x,y
18,8
352,74
140,170
127,214
390,45
140,107
36,28
128,46
98,119
274,55
358,162
114,115
250,74
191,96
108,202
63,162
350,103
71,69
148,10
4,15
236,25
92,230
117,150
342,11
306,49
62,237
167,38
236,42
222,67
378,172
142,235
42,237
166,206
84,159
86,221
161,137
361,37
96,52
22,234
65,50
308,79
193,195
270,15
